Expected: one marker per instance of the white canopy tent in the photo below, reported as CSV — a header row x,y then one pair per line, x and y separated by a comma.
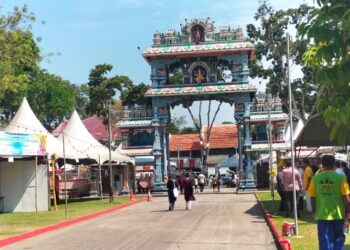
x,y
25,122
79,138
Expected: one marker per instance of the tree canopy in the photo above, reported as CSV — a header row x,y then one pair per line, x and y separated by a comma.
x,y
270,56
329,29
51,98
20,54
103,89
81,99
134,94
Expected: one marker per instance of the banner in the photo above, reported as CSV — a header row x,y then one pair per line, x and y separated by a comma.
x,y
188,163
22,144
144,168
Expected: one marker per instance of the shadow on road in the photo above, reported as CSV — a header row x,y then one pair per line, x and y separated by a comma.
x,y
166,210
255,211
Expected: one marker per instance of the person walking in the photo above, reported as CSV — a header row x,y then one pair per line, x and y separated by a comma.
x,y
308,174
218,181
287,182
302,193
329,192
280,190
346,170
188,192
196,185
201,178
179,182
339,169
172,192
213,182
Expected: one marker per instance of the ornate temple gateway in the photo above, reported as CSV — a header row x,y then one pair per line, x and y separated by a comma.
x,y
199,62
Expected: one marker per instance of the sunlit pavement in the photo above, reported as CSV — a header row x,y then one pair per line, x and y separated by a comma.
x,y
220,221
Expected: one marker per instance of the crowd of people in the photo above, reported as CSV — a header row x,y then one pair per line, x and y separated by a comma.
x,y
189,185
186,187
144,182
325,187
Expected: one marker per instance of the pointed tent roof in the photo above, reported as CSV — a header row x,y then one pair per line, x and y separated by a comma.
x,y
94,125
77,136
26,122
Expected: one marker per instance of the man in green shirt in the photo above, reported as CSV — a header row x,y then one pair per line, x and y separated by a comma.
x,y
329,192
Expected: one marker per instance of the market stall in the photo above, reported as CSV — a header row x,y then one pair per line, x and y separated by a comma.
x,y
23,173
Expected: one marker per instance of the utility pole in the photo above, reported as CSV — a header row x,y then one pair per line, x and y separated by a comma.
x,y
291,140
178,153
269,105
111,191
65,178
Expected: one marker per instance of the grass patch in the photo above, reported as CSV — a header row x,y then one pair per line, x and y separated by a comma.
x,y
306,224
17,223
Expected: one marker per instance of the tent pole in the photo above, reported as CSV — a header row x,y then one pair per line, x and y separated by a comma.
x,y
53,164
48,182
269,105
100,175
36,183
291,140
111,191
65,177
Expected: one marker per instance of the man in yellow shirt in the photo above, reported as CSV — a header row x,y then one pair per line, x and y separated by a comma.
x,y
329,192
308,174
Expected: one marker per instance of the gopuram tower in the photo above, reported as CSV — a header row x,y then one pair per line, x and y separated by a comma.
x,y
200,62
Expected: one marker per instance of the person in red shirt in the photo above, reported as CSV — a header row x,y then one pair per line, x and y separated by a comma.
x,y
287,182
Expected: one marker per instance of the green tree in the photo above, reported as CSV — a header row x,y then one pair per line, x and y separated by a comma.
x,y
103,89
204,138
81,99
19,52
134,94
176,124
51,98
270,56
329,29
189,130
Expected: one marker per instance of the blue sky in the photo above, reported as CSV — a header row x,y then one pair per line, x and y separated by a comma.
x,y
91,32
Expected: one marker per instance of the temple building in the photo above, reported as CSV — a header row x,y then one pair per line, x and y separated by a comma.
x,y
263,109
185,149
138,136
197,63
200,63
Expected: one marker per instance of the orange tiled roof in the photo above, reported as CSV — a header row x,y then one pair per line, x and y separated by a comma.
x,y
186,142
222,136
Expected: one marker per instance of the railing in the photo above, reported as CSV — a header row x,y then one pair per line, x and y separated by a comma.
x,y
138,147
205,42
200,85
265,142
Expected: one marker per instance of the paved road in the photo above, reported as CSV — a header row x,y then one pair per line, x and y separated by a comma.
x,y
217,221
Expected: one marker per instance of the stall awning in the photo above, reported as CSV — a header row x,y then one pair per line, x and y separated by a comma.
x,y
315,133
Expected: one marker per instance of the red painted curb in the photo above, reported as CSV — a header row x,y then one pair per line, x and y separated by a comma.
x,y
282,242
20,237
